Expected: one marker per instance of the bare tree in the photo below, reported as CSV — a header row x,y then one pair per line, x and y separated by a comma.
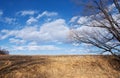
x,y
103,26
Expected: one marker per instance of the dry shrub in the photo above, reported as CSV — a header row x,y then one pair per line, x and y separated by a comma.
x,y
4,52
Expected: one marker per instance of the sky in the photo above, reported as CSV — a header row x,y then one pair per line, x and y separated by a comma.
x,y
39,27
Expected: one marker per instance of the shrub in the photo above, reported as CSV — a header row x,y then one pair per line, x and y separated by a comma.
x,y
4,52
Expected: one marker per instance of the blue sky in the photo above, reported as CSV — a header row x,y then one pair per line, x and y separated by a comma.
x,y
39,27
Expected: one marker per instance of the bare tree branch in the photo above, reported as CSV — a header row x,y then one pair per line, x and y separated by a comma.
x,y
102,21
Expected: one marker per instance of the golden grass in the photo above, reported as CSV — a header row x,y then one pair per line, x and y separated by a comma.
x,y
85,66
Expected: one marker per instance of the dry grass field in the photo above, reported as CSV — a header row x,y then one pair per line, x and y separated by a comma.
x,y
84,66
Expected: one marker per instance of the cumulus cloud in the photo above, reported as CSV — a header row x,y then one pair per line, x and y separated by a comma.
x,y
74,18
26,12
46,13
53,31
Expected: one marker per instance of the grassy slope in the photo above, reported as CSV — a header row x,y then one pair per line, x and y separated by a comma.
x,y
57,67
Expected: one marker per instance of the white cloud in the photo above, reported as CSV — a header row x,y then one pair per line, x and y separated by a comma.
x,y
46,13
80,50
17,41
55,30
116,17
73,50
19,48
6,33
27,33
27,12
111,7
73,19
49,32
43,47
83,20
9,20
33,43
31,20
36,47
76,44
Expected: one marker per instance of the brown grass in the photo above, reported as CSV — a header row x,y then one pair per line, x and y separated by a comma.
x,y
85,66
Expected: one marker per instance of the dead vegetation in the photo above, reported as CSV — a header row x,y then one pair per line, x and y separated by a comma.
x,y
59,67
4,51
